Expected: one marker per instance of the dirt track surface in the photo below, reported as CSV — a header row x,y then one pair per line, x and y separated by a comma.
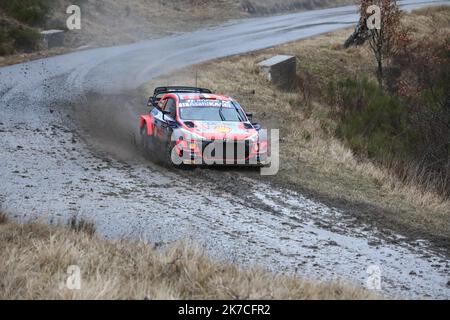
x,y
67,127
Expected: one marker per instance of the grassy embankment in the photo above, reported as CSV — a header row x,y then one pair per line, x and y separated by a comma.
x,y
317,152
35,258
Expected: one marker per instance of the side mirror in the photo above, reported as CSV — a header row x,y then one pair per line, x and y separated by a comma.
x,y
249,116
150,102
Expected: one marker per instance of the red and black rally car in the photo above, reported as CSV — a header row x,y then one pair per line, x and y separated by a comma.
x,y
193,126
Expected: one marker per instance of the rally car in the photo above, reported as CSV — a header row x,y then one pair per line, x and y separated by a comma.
x,y
193,126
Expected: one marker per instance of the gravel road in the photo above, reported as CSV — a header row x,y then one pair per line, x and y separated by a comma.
x,y
56,162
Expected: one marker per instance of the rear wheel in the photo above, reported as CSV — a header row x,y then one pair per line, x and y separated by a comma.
x,y
146,141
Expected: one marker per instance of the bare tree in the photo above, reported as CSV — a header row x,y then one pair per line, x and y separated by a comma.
x,y
383,37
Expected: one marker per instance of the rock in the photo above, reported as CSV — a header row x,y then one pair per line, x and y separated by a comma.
x,y
53,38
281,70
374,243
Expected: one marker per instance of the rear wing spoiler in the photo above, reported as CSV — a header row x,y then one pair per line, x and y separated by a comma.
x,y
178,89
159,91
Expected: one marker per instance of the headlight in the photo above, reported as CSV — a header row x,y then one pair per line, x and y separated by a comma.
x,y
188,135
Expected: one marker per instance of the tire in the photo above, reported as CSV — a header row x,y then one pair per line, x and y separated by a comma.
x,y
168,155
146,141
167,161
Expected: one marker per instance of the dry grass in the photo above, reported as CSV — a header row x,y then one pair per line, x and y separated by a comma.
x,y
24,57
81,225
277,6
429,21
311,157
35,258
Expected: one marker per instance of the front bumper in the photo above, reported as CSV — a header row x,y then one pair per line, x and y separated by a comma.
x,y
213,152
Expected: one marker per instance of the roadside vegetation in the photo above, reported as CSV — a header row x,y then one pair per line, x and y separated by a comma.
x,y
382,152
30,12
35,258
16,37
21,21
405,122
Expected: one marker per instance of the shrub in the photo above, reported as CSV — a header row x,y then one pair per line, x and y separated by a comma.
x,y
422,80
411,138
372,123
5,43
25,39
31,12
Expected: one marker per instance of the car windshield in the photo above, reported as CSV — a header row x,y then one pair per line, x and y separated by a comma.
x,y
213,111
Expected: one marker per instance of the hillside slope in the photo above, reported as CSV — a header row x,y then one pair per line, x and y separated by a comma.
x,y
109,22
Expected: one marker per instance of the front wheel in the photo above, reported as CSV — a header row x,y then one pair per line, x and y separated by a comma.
x,y
173,159
170,157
